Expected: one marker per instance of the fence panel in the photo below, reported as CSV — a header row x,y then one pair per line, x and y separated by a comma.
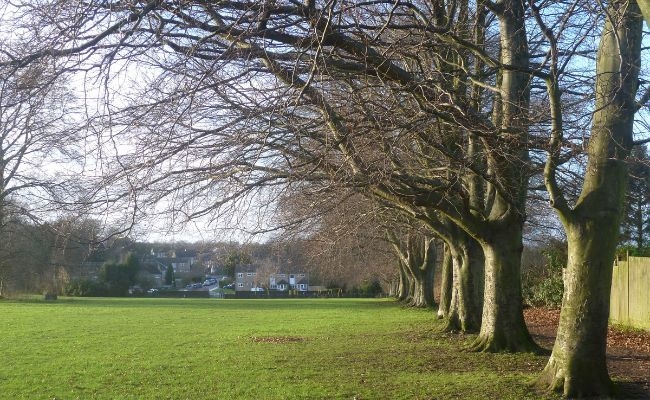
x,y
630,300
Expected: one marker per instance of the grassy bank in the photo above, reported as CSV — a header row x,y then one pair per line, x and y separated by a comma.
x,y
244,349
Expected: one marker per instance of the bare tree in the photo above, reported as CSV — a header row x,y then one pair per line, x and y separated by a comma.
x,y
342,233
34,142
577,366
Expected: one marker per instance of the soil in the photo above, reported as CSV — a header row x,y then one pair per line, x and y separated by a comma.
x,y
628,351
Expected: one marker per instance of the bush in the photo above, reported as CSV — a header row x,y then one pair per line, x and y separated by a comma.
x,y
371,289
623,251
84,288
544,286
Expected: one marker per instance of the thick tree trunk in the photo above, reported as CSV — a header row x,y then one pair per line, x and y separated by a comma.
x,y
445,284
417,256
428,274
404,284
467,288
412,284
577,366
423,277
503,327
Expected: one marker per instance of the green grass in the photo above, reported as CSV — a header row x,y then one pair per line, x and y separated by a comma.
x,y
244,349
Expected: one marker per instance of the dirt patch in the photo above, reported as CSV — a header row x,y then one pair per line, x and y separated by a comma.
x,y
277,339
628,352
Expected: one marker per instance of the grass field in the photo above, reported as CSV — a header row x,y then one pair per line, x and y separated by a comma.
x,y
244,349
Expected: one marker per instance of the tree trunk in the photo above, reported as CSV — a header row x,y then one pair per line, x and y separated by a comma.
x,y
503,327
417,255
423,276
412,291
467,288
428,273
577,366
403,289
445,284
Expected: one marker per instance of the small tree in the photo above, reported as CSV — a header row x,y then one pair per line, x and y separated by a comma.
x,y
116,278
132,267
234,259
636,222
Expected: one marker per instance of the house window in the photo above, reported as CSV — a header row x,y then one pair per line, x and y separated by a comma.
x,y
302,286
249,274
240,284
240,275
302,275
292,276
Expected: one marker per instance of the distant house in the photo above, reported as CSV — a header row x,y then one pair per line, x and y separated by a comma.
x,y
246,278
180,261
251,277
285,281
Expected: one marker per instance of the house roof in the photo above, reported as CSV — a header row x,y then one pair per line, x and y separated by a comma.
x,y
186,253
303,281
246,268
282,282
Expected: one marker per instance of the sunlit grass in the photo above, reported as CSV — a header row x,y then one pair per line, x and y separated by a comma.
x,y
244,349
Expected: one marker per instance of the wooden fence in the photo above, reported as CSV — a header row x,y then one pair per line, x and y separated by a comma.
x,y
630,300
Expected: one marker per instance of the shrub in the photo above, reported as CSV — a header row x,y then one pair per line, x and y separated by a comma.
x,y
84,288
371,288
544,286
623,251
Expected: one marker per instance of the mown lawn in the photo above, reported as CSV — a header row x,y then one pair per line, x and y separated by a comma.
x,y
244,349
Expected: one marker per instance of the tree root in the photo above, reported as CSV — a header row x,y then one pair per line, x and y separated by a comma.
x,y
578,384
451,325
520,343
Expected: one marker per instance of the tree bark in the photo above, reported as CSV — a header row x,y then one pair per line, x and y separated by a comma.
x,y
577,366
421,264
403,289
446,282
466,304
418,256
503,327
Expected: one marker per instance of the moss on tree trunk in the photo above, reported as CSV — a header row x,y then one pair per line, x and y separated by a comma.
x,y
577,366
503,327
466,301
446,282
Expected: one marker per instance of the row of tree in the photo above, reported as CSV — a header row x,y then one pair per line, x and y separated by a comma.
x,y
443,117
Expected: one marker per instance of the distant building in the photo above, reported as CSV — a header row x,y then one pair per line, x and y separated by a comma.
x,y
252,277
180,261
285,281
